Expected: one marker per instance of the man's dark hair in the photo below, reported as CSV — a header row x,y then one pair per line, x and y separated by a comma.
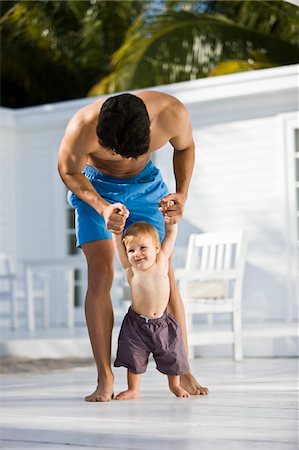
x,y
124,126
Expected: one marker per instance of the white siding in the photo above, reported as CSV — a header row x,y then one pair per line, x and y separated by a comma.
x,y
238,182
7,189
36,166
237,179
240,186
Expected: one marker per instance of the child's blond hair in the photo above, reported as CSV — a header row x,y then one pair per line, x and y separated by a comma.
x,y
138,228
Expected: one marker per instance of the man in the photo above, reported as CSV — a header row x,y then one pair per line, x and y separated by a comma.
x,y
111,142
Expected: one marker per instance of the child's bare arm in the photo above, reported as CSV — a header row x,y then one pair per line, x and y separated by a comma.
x,y
169,240
120,250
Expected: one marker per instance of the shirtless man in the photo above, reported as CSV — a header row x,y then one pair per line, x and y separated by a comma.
x,y
104,160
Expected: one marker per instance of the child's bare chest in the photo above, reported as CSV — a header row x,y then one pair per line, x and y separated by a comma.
x,y
151,279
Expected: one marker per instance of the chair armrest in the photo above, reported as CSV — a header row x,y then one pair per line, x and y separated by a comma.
x,y
193,274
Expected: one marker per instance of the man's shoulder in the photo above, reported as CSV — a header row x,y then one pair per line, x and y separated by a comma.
x,y
165,100
84,119
167,109
88,114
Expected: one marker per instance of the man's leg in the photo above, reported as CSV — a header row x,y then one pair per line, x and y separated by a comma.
x,y
99,313
176,307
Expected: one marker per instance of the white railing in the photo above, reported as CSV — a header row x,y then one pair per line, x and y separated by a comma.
x,y
44,269
68,266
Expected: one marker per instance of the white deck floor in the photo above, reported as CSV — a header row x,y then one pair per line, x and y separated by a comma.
x,y
252,405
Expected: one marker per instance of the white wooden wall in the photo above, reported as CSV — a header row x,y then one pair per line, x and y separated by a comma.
x,y
8,226
238,179
238,183
32,220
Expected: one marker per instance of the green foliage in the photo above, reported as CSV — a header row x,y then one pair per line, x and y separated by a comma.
x,y
53,50
190,40
56,50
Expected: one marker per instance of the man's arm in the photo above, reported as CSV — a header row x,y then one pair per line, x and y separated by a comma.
x,y
71,161
169,240
183,163
184,153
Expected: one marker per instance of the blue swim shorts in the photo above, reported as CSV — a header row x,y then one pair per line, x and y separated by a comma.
x,y
141,195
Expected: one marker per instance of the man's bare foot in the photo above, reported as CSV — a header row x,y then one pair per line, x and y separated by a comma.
x,y
179,391
189,383
127,395
103,392
100,395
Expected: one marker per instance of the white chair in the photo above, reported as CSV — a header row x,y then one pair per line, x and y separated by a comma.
x,y
13,294
211,283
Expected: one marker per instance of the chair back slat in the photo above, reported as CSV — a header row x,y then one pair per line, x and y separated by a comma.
x,y
228,257
204,258
190,261
219,257
212,257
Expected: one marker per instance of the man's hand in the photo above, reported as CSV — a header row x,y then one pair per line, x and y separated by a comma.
x,y
172,207
115,216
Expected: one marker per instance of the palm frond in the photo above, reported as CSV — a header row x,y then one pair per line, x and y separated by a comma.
x,y
184,45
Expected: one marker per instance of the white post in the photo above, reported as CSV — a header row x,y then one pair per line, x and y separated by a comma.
x,y
70,298
13,303
30,299
237,330
45,294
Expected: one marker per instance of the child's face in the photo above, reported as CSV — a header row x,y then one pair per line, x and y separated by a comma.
x,y
142,251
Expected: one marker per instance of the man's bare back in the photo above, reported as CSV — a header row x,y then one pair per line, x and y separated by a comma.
x,y
167,116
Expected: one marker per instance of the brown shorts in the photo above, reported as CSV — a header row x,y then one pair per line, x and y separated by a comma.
x,y
162,337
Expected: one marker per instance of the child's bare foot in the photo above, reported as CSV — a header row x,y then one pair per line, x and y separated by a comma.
x,y
127,395
103,392
179,391
189,383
